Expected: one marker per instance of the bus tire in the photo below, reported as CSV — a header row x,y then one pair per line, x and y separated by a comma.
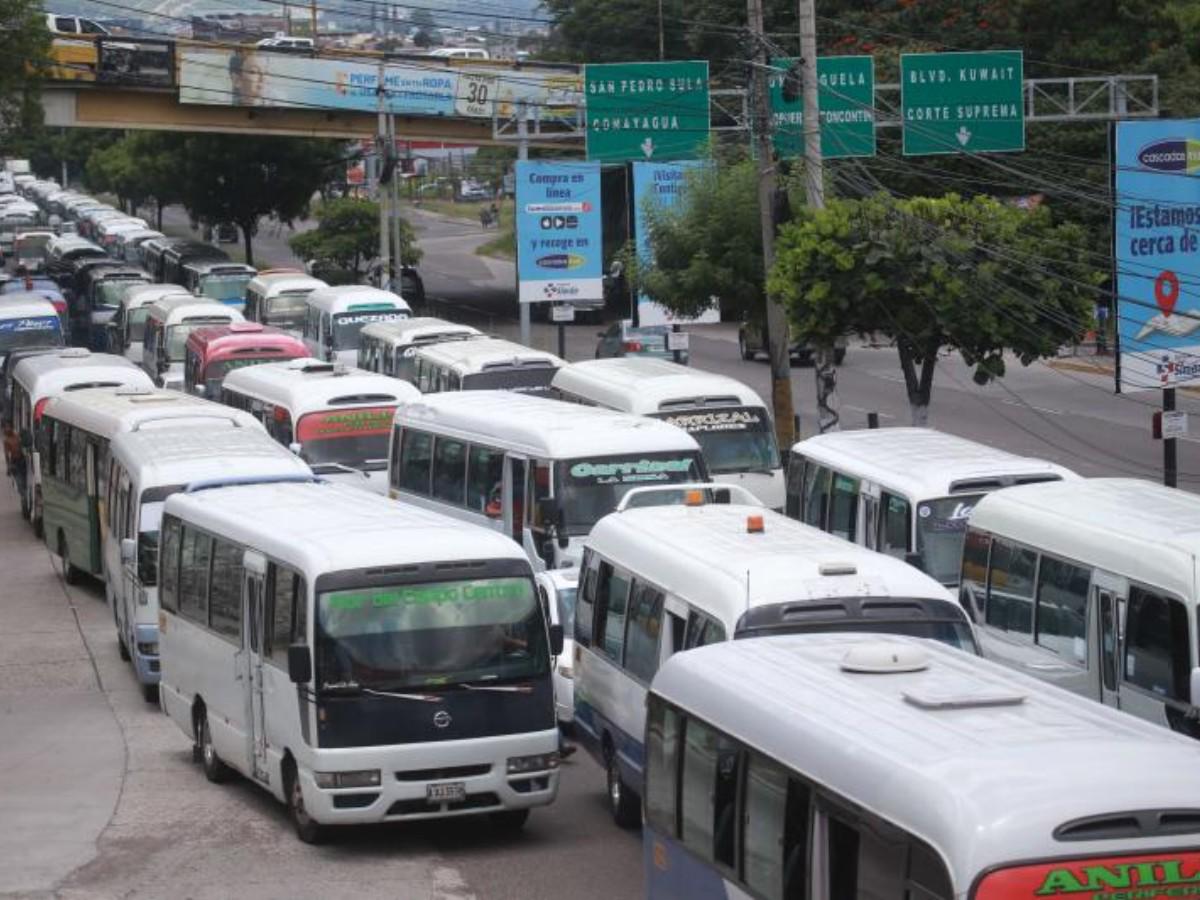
x,y
70,573
510,819
307,829
214,770
621,802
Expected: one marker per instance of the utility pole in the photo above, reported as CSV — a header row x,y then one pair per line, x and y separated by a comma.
x,y
380,187
522,153
777,326
814,190
394,186
1170,460
662,45
312,17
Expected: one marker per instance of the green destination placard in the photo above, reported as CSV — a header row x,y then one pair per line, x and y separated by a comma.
x,y
962,102
651,111
846,96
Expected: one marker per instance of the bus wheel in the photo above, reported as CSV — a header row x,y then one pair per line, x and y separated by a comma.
x,y
307,829
510,819
621,802
69,572
214,770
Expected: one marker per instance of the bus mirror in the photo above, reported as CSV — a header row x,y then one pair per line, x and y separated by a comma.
x,y
1195,685
128,550
299,664
916,560
295,448
198,390
547,511
556,640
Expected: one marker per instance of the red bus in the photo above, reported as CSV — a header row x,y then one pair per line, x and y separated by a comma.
x,y
216,350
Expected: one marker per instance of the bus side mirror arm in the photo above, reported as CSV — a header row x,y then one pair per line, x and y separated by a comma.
x,y
556,640
299,664
1195,686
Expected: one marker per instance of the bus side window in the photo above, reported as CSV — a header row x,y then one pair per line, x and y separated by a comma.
x,y
77,461
1156,645
585,599
416,453
644,630
485,481
843,508
225,595
664,727
195,553
895,526
795,485
708,798
450,471
612,601
1062,598
867,860
815,498
287,612
973,584
169,565
1010,587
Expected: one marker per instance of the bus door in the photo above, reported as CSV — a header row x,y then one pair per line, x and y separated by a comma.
x,y
254,568
514,499
95,509
1109,593
870,494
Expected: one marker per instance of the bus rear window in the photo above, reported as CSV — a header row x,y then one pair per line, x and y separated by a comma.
x,y
1149,875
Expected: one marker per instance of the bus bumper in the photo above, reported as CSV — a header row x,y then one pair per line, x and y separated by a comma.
x,y
145,653
481,766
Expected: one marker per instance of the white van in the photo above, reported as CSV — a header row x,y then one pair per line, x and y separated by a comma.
x,y
145,467
1091,584
280,298
661,579
361,661
541,471
904,491
485,364
843,767
728,419
388,347
337,419
169,321
336,316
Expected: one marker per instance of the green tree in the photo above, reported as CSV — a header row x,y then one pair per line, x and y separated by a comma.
x,y
937,274
24,41
240,179
347,237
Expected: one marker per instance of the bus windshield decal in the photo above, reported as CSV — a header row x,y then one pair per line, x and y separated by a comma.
x,y
1110,878
38,323
346,423
718,420
422,594
629,470
356,307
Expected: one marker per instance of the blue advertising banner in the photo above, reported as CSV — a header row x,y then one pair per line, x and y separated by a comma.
x,y
659,186
559,231
1158,253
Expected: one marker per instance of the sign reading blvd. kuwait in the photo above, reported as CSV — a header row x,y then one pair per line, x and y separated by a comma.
x,y
559,232
651,111
846,97
962,102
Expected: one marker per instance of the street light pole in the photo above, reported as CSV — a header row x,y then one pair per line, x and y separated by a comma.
x,y
522,154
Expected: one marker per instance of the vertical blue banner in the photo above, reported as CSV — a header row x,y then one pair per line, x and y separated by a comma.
x,y
659,186
559,230
1157,219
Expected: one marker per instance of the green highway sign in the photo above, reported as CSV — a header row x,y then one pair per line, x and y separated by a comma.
x,y
962,102
650,111
846,97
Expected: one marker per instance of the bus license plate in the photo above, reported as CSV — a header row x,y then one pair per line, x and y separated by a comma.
x,y
451,792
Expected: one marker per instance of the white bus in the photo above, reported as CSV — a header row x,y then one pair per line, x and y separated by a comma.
x,y
1091,584
169,321
336,316
72,439
146,467
485,364
727,419
28,322
541,471
841,767
660,579
38,379
338,420
361,661
388,347
906,492
280,298
128,325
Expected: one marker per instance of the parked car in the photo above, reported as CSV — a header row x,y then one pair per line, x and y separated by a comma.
x,y
556,590
623,339
752,340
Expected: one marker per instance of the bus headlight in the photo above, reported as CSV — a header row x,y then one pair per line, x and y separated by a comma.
x,y
357,779
518,765
148,648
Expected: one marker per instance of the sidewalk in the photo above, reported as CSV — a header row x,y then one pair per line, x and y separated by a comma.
x,y
62,755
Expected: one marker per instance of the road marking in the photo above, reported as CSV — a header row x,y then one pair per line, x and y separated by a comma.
x,y
863,409
1041,409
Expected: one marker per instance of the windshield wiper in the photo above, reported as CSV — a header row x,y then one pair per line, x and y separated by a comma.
x,y
354,689
342,467
524,688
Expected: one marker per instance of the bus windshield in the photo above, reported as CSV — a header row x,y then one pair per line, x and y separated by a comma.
x,y
739,439
215,372
431,635
109,293
32,331
346,326
357,438
941,527
225,287
530,380
589,489
147,547
287,310
177,336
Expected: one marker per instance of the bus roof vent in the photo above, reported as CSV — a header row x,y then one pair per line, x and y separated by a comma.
x,y
837,568
74,353
245,327
961,695
1139,823
885,658
309,365
133,390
